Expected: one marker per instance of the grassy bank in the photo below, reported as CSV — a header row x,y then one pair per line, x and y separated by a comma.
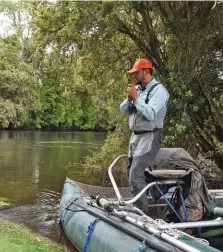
x,y
14,237
5,202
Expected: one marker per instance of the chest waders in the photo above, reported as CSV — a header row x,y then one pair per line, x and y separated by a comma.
x,y
143,147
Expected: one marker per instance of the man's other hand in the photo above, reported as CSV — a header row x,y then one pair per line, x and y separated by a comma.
x,y
131,92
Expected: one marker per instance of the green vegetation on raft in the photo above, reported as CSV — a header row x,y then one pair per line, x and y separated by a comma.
x,y
15,237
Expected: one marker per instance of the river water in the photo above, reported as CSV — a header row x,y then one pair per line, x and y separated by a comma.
x,y
33,167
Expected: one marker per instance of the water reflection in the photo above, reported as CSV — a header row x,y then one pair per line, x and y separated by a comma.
x,y
37,160
33,169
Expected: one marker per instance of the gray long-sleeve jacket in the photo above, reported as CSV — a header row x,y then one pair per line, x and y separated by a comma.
x,y
149,116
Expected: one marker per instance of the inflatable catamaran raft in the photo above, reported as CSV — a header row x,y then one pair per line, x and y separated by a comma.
x,y
100,219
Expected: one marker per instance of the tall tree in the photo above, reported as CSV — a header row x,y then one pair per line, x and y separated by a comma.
x,y
183,44
81,51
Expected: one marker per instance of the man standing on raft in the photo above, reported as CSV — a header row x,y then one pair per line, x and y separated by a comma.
x,y
146,107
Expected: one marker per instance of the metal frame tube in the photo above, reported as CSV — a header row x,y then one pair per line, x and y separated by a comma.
x,y
164,182
191,224
131,201
215,190
120,199
217,197
165,237
218,211
172,240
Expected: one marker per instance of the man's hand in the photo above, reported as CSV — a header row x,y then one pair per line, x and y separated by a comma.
x,y
132,93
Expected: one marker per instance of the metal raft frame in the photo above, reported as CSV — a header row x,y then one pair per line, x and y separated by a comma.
x,y
122,208
217,210
121,201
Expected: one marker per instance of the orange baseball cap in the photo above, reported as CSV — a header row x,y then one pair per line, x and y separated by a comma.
x,y
140,64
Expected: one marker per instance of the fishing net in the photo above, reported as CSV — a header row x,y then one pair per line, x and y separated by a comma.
x,y
108,192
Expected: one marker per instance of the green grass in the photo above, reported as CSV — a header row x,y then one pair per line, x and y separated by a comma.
x,y
4,202
14,237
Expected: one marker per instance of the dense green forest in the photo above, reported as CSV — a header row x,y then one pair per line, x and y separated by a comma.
x,y
63,66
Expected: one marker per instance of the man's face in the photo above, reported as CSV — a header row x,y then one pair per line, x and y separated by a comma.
x,y
139,75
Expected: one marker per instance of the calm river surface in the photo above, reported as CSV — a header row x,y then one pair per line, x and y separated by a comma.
x,y
33,167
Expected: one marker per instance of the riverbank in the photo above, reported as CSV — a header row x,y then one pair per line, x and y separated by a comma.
x,y
15,237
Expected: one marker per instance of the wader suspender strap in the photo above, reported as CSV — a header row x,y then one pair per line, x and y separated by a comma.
x,y
132,107
151,89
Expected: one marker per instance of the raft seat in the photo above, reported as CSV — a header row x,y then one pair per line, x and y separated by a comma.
x,y
167,174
